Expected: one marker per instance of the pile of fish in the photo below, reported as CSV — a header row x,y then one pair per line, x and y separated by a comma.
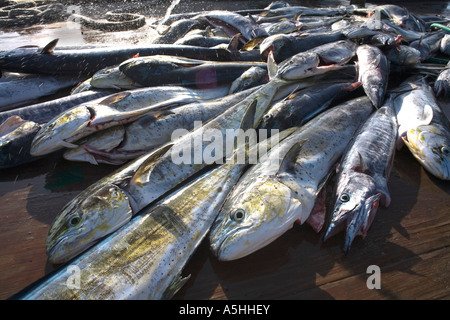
x,y
336,91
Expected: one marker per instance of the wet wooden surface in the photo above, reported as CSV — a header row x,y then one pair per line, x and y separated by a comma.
x,y
409,242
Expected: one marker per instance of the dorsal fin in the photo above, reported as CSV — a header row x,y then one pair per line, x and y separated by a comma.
x,y
288,162
272,67
142,174
234,43
109,100
48,49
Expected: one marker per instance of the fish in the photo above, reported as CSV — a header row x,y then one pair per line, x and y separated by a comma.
x,y
177,30
86,61
319,60
373,73
303,105
202,41
252,77
152,249
144,180
273,194
119,144
403,55
119,108
442,84
45,111
15,141
445,45
16,146
112,78
169,70
283,27
423,126
429,45
17,92
285,46
233,23
363,174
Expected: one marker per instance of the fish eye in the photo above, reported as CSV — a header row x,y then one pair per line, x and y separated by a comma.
x,y
238,215
344,197
445,150
51,125
267,117
74,221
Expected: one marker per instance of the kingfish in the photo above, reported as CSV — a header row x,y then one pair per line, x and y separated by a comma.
x,y
119,108
362,176
373,73
423,126
254,76
169,70
112,78
88,60
272,195
85,219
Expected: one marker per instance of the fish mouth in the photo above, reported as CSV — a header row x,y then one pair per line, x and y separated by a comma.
x,y
218,249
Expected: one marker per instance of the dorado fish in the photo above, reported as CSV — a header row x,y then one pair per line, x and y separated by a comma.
x,y
272,195
119,144
85,219
423,126
363,174
373,73
152,249
119,108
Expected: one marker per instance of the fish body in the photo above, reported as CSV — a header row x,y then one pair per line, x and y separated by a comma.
x,y
252,77
273,194
285,46
87,61
303,105
233,23
167,70
116,109
112,78
19,91
423,126
363,174
177,30
16,135
373,73
403,55
442,84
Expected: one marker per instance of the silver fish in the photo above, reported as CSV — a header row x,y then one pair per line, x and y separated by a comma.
x,y
373,73
363,174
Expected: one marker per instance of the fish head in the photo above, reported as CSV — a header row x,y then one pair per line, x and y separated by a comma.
x,y
430,145
84,221
374,87
252,217
298,66
275,43
352,194
112,78
57,133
